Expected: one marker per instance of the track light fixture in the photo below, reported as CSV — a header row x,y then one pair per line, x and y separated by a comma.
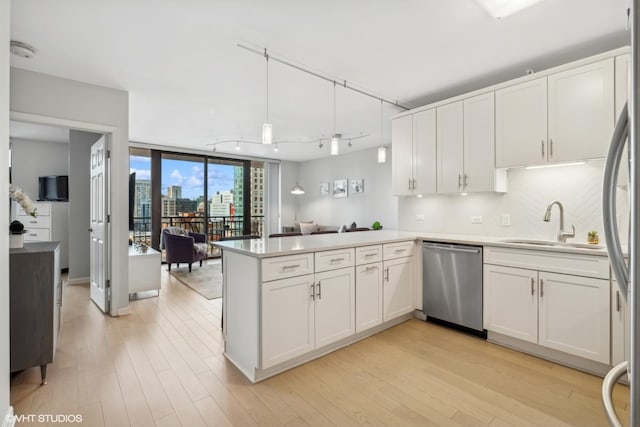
x,y
267,128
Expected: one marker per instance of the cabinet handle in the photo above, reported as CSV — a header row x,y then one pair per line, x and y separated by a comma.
x,y
319,290
409,184
287,267
414,184
541,288
337,259
33,222
368,255
459,180
617,301
373,267
542,147
465,180
386,274
313,291
550,147
399,250
32,234
533,289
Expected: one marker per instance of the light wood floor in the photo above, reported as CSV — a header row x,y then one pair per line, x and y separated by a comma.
x,y
163,366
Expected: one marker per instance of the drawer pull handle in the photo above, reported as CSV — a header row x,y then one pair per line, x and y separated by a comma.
x,y
337,259
400,250
368,255
373,267
32,234
33,222
288,267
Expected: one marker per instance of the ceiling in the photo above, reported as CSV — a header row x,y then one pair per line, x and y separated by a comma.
x,y
190,85
37,132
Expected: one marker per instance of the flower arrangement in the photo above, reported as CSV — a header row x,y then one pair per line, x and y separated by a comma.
x,y
23,199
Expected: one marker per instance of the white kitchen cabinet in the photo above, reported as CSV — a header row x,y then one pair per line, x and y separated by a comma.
x,y
574,315
414,154
511,302
334,306
450,147
288,328
622,70
398,287
369,296
580,111
620,327
521,124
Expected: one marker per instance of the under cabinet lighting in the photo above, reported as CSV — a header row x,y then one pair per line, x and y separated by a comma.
x,y
463,194
555,165
502,8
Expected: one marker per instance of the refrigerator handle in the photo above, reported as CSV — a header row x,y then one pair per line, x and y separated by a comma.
x,y
607,392
612,165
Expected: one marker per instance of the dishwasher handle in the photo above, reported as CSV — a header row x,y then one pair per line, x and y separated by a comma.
x,y
452,248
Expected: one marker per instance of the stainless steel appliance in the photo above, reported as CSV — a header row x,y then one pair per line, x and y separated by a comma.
x,y
627,276
452,284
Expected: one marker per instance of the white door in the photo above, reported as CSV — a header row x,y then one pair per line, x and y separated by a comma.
x,y
98,225
397,293
479,144
450,152
402,155
511,302
368,296
574,315
287,319
581,108
424,151
335,305
521,124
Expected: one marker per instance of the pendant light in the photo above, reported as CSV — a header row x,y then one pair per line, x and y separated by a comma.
x,y
335,138
382,150
267,128
297,189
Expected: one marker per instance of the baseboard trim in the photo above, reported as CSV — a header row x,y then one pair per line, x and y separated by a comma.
x,y
78,280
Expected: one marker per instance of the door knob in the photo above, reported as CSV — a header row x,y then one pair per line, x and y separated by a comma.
x,y
90,230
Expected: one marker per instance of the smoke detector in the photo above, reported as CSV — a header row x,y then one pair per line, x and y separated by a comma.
x,y
22,50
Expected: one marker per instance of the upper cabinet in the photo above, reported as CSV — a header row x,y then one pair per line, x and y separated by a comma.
x,y
414,153
567,116
450,148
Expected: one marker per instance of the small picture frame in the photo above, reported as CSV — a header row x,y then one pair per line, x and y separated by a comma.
x,y
324,189
356,186
340,188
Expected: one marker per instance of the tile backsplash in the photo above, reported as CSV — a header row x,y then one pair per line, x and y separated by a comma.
x,y
577,187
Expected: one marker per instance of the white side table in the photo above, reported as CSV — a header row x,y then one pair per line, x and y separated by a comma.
x,y
144,271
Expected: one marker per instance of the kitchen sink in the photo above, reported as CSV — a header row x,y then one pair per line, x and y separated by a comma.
x,y
552,243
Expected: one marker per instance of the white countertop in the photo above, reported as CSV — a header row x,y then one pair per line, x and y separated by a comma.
x,y
277,246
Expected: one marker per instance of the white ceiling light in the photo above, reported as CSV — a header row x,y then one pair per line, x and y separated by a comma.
x,y
297,190
335,141
22,50
502,8
267,129
382,154
382,151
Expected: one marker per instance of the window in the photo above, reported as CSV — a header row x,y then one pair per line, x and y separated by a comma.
x,y
140,170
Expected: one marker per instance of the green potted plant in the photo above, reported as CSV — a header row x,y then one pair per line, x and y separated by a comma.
x,y
376,225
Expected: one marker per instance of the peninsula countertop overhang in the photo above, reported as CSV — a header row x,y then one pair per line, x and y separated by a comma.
x,y
278,246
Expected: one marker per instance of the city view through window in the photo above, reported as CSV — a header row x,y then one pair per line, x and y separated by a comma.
x,y
217,210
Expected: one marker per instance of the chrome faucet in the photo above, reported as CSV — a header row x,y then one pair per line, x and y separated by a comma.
x,y
562,235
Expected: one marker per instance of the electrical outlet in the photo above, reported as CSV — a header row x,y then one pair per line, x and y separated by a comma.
x,y
505,219
419,217
476,219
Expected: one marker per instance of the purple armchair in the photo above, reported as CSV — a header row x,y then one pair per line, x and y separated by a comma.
x,y
181,246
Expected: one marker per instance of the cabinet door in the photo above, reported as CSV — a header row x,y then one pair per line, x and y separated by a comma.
x,y
397,293
450,151
622,66
479,143
511,302
424,146
574,315
287,319
619,326
581,108
368,296
521,124
335,305
402,155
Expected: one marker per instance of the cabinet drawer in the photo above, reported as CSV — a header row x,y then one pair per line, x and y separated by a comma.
x,y
42,209
331,260
397,250
286,266
558,262
368,254
37,222
37,235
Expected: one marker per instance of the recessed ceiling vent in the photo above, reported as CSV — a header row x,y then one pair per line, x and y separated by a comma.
x,y
22,50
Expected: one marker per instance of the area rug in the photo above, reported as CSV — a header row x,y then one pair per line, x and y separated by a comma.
x,y
205,280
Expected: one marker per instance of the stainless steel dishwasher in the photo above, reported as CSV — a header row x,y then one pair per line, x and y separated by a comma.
x,y
452,284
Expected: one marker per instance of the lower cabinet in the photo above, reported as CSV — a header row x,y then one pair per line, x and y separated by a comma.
x,y
559,311
302,313
368,296
397,293
620,326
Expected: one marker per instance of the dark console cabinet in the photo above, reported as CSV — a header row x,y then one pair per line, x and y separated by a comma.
x,y
35,301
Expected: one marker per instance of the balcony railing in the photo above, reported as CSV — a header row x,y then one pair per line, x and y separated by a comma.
x,y
217,227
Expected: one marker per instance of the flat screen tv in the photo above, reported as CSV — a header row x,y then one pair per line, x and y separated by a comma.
x,y
53,188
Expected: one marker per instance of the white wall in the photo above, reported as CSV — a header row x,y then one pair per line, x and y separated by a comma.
x,y
79,193
31,159
86,105
375,204
288,202
4,207
578,188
